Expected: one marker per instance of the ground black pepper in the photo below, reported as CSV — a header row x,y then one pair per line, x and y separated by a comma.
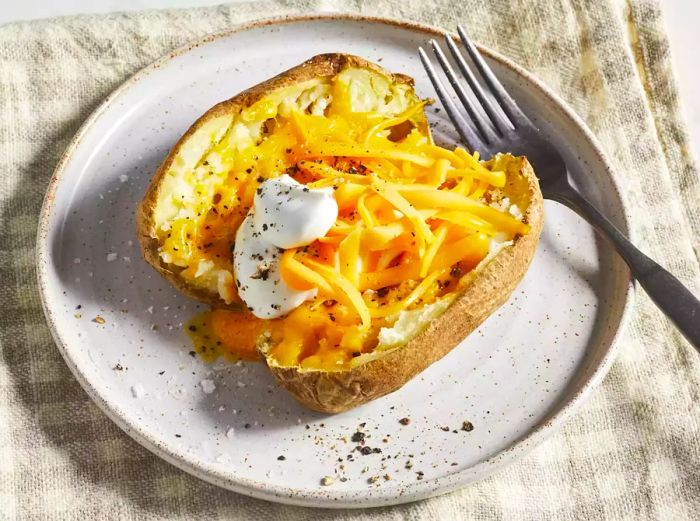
x,y
358,437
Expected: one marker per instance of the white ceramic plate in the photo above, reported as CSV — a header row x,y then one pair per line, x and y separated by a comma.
x,y
516,379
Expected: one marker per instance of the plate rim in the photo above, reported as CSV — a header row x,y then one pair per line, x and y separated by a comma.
x,y
329,499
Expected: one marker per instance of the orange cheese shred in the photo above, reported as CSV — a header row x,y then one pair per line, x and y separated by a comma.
x,y
497,178
439,152
412,297
365,214
349,257
479,190
299,277
466,220
404,116
471,249
393,197
328,172
427,259
438,175
389,276
344,290
451,200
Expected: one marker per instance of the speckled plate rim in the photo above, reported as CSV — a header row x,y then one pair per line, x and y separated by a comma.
x,y
328,498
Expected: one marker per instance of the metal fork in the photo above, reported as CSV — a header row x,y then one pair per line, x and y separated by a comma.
x,y
490,130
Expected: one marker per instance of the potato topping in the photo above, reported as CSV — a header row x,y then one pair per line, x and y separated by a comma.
x,y
414,219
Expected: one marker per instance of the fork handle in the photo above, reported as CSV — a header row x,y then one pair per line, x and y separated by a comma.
x,y
672,297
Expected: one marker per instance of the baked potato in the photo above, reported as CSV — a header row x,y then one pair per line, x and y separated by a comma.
x,y
333,238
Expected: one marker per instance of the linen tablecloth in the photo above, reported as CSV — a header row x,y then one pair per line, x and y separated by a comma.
x,y
632,452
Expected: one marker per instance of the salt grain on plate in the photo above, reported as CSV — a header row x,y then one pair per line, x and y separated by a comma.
x,y
207,386
76,260
111,257
123,178
150,309
137,391
126,259
230,433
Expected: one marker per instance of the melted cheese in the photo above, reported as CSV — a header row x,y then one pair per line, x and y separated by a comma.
x,y
410,221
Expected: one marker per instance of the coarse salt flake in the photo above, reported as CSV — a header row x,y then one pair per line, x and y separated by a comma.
x,y
207,386
137,391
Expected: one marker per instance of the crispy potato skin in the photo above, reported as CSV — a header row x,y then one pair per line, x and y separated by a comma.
x,y
322,65
334,392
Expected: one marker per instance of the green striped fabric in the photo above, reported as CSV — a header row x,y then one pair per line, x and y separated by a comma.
x,y
633,452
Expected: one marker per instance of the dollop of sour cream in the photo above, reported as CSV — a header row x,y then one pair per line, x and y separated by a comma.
x,y
285,214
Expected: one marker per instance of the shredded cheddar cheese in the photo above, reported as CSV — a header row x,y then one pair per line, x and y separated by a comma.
x,y
413,217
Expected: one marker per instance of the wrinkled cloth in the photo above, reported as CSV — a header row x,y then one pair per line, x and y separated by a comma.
x,y
633,451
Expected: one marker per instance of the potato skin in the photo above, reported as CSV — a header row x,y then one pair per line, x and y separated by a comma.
x,y
322,65
339,391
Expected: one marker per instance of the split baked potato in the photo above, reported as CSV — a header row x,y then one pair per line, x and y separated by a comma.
x,y
425,244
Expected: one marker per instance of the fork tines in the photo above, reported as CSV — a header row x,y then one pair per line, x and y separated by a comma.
x,y
485,124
